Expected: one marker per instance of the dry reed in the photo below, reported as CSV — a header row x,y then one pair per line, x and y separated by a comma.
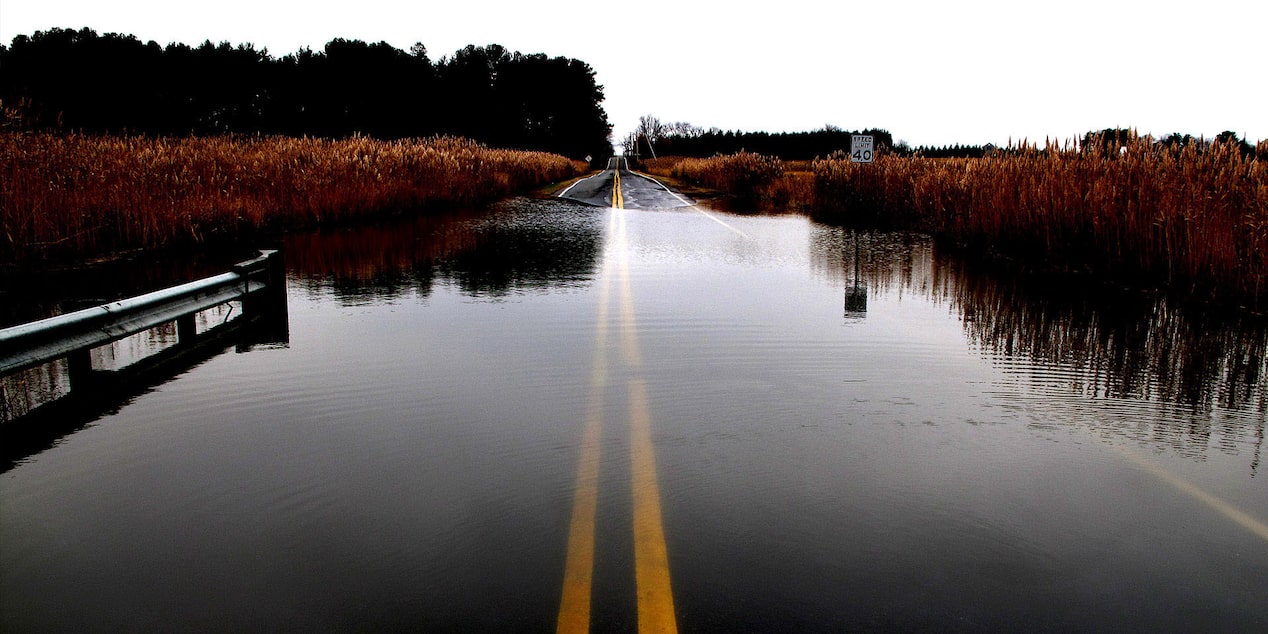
x,y
762,181
1194,218
83,195
744,174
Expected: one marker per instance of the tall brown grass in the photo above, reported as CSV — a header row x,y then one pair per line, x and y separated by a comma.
x,y
83,195
1194,219
745,174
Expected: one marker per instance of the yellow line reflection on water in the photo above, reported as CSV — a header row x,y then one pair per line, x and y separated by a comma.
x,y
574,607
651,556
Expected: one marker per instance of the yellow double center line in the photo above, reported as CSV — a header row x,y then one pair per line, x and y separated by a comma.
x,y
651,556
618,201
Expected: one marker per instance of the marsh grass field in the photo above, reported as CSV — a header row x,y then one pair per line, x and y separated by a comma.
x,y
74,195
1193,219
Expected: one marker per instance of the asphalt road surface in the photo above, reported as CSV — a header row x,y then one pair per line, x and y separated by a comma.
x,y
617,186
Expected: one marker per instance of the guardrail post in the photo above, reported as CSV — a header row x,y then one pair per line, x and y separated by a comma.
x,y
79,369
255,303
268,308
186,329
277,274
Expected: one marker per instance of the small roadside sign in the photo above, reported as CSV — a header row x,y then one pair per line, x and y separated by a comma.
x,y
861,148
589,158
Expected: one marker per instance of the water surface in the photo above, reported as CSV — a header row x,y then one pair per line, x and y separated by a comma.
x,y
851,431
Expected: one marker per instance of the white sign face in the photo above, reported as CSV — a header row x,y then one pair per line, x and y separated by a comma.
x,y
861,148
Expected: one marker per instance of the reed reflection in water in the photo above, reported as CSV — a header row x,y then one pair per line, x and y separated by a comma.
x,y
516,246
1195,378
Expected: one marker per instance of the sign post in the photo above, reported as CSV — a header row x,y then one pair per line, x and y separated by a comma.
x,y
861,148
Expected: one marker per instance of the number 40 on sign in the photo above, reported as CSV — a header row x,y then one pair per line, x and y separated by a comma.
x,y
861,148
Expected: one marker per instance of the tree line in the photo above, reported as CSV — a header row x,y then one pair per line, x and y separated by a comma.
x,y
1114,140
652,137
114,83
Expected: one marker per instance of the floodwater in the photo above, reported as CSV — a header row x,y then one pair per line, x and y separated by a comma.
x,y
725,422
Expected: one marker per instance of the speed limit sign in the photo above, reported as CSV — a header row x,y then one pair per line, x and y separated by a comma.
x,y
861,148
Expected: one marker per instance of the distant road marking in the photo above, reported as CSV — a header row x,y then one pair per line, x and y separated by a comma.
x,y
569,188
695,206
618,201
719,221
672,193
564,193
1238,516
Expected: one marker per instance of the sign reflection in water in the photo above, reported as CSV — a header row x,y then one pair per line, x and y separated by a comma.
x,y
972,452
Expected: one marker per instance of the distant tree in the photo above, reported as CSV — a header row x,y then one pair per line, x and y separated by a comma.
x,y
1175,141
214,89
684,130
468,81
647,134
1230,137
419,52
355,87
566,118
1110,141
694,141
79,79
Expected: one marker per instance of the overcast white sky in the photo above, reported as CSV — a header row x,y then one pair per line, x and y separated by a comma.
x,y
931,72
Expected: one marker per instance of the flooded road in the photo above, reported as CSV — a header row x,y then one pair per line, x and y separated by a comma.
x,y
618,187
554,415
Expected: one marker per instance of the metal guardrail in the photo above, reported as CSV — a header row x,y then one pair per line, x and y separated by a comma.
x,y
38,342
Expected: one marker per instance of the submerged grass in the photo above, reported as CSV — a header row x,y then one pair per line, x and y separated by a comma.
x,y
1193,219
86,195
